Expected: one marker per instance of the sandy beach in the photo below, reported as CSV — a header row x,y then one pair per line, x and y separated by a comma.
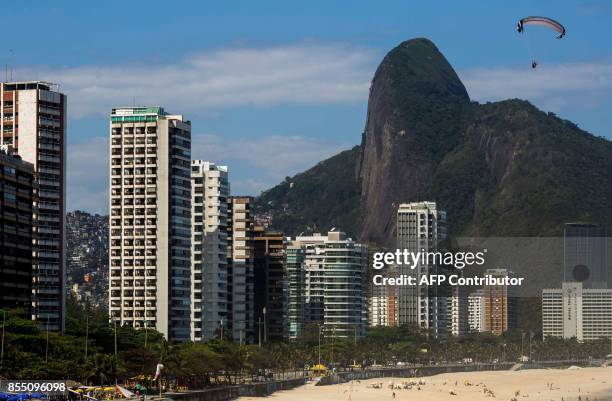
x,y
538,384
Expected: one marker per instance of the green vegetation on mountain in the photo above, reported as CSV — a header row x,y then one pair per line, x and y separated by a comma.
x,y
498,169
321,198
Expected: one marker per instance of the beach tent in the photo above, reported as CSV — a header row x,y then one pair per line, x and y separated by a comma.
x,y
319,368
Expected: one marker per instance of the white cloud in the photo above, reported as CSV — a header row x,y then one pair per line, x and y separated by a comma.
x,y
301,73
255,163
259,163
553,87
281,154
87,180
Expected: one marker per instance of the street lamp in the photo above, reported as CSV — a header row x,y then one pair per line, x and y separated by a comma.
x,y
265,333
319,343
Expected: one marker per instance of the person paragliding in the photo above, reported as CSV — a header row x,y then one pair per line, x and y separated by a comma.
x,y
544,22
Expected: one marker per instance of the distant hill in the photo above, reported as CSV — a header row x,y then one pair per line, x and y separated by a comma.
x,y
323,197
498,169
87,255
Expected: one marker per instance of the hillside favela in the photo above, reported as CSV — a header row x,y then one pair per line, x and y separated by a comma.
x,y
306,201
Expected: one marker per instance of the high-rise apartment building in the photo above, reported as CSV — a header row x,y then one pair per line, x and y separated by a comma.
x,y
270,290
573,311
421,226
458,311
476,311
241,278
499,304
585,255
296,284
33,121
150,220
18,195
210,193
334,293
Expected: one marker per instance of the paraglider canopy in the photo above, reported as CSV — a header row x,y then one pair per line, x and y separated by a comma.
x,y
541,21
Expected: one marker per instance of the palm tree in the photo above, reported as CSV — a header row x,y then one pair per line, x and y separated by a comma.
x,y
103,370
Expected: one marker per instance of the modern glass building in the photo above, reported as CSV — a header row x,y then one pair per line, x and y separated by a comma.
x,y
334,290
18,195
585,255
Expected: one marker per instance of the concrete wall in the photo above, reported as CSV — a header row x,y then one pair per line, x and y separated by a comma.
x,y
343,377
229,393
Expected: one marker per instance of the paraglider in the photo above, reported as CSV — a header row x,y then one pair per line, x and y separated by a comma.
x,y
541,21
544,22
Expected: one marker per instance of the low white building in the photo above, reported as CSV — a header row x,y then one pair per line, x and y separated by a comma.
x,y
573,311
382,306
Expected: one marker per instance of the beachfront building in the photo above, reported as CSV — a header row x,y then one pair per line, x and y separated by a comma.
x,y
18,192
296,287
382,302
573,311
334,271
241,324
476,311
150,220
33,123
499,304
458,311
271,290
209,196
420,228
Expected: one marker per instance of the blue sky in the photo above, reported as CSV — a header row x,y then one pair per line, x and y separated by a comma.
x,y
272,87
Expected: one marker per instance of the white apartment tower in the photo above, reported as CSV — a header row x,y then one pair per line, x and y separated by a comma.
x,y
33,122
209,196
476,311
458,311
241,274
150,222
420,227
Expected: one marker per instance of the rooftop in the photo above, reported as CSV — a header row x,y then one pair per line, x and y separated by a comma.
x,y
138,110
29,85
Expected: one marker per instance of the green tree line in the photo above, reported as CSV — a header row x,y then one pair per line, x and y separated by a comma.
x,y
87,353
